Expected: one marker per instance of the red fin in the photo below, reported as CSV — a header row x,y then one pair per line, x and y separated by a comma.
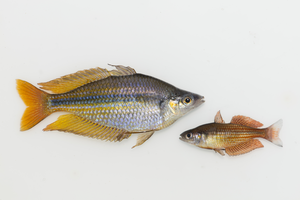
x,y
36,100
246,121
77,125
218,118
273,133
244,147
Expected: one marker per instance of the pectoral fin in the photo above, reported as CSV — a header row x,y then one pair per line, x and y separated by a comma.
x,y
77,125
80,78
143,137
244,147
218,118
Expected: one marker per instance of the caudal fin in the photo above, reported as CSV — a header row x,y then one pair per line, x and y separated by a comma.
x,y
36,100
273,133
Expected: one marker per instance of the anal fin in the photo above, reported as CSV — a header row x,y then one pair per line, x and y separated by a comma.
x,y
244,147
143,137
78,125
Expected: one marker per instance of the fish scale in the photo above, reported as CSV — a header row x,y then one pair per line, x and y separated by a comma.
x,y
230,134
110,103
237,137
108,106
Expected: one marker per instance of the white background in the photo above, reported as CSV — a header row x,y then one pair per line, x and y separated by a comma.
x,y
243,56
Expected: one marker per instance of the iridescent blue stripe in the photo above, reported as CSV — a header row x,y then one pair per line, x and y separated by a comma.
x,y
95,99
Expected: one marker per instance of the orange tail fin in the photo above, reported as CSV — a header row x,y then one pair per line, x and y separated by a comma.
x,y
36,100
273,133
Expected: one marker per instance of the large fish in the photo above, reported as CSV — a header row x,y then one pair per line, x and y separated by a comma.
x,y
108,105
235,138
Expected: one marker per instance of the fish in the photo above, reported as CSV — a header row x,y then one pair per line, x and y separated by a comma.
x,y
236,137
107,105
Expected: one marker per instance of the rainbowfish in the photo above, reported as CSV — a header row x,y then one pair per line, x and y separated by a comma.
x,y
236,137
108,105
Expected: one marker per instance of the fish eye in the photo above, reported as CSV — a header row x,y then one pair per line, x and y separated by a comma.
x,y
187,100
189,136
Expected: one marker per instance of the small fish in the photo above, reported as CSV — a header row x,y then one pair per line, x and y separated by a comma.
x,y
235,138
108,105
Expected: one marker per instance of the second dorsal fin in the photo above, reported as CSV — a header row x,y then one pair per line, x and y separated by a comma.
x,y
80,78
246,121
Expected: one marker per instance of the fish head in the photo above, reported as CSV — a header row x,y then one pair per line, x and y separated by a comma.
x,y
198,136
191,137
184,101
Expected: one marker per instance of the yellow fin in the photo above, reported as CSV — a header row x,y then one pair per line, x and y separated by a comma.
x,y
246,121
80,78
36,100
219,119
143,137
77,125
244,147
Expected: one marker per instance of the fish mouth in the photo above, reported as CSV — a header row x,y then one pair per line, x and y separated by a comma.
x,y
181,137
200,100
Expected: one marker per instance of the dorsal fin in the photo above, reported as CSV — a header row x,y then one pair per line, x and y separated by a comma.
x,y
80,78
218,118
121,70
246,121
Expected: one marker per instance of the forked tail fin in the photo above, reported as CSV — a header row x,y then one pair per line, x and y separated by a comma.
x,y
36,100
272,133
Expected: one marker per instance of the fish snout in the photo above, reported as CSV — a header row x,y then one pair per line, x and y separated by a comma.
x,y
180,137
183,136
199,100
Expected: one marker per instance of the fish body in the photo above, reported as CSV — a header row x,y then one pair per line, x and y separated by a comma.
x,y
136,103
237,137
108,105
